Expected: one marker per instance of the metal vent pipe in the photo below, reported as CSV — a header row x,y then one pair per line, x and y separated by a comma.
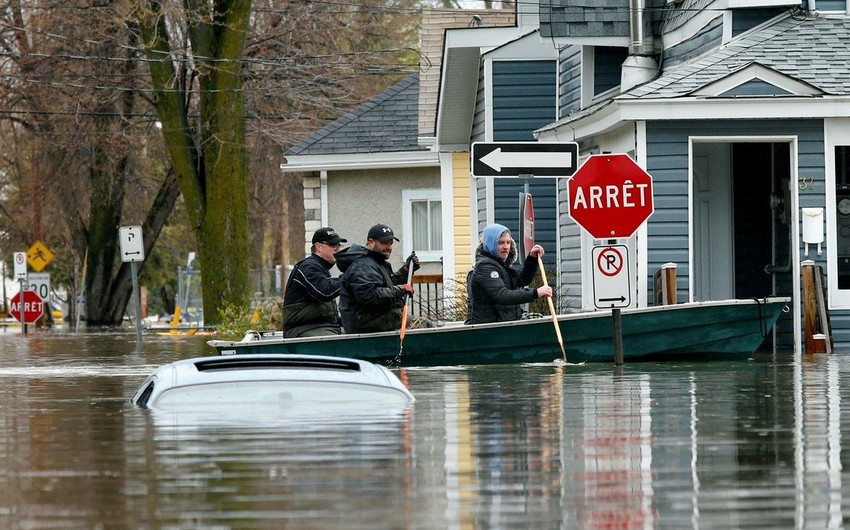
x,y
640,66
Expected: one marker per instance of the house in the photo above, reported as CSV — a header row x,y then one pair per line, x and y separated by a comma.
x,y
375,164
739,110
366,168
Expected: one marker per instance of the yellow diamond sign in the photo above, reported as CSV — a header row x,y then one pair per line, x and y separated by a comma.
x,y
38,256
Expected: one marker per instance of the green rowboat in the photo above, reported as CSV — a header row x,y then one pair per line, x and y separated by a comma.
x,y
729,329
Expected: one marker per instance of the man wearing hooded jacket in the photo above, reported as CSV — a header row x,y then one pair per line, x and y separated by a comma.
x,y
495,289
372,296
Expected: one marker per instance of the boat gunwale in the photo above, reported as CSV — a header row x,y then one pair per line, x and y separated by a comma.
x,y
451,327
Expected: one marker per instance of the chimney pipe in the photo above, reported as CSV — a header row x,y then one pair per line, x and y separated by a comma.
x,y
640,66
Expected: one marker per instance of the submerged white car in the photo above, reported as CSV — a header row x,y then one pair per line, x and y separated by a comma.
x,y
272,383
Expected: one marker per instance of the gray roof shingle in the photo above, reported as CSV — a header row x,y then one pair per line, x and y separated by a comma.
x,y
813,50
386,123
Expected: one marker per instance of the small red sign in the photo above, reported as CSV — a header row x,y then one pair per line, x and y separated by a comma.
x,y
528,224
610,196
27,307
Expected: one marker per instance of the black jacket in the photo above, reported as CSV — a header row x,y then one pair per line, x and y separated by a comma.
x,y
496,290
309,297
371,298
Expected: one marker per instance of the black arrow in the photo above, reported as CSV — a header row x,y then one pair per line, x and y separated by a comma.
x,y
128,253
620,299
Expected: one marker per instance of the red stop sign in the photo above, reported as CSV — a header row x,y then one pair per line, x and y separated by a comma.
x,y
27,307
610,196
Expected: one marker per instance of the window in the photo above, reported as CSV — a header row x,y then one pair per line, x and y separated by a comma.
x,y
837,215
423,224
842,198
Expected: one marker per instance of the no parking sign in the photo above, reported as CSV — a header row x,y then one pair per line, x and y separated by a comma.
x,y
611,278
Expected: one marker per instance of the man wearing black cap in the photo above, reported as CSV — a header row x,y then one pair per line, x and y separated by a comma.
x,y
372,294
309,306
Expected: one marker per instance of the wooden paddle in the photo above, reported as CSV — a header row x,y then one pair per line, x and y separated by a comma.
x,y
552,310
405,310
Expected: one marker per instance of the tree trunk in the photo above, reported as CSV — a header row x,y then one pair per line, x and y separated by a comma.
x,y
213,170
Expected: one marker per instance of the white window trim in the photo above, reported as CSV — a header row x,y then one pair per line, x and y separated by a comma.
x,y
836,132
407,223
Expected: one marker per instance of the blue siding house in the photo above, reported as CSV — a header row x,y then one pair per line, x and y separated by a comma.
x,y
740,111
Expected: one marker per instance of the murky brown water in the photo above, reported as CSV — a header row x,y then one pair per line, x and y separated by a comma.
x,y
720,445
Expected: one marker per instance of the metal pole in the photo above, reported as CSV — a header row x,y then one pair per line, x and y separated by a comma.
x,y
5,301
23,282
134,268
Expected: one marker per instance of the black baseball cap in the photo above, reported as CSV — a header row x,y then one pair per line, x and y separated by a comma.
x,y
327,235
382,233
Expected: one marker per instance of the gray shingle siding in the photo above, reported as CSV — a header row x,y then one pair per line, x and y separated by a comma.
x,y
386,123
479,128
569,80
711,36
524,98
479,123
685,11
569,289
584,18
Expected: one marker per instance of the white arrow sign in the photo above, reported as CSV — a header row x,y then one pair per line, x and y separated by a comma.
x,y
512,159
498,159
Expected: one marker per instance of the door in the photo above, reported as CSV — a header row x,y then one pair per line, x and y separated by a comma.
x,y
741,220
713,263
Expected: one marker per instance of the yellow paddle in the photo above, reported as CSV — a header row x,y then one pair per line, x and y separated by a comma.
x,y
404,311
552,310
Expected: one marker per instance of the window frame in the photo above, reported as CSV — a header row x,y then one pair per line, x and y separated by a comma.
x,y
407,198
836,134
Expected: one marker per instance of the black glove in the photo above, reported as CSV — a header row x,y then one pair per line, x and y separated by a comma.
x,y
413,257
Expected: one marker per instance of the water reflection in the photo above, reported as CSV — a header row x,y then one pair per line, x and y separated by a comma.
x,y
716,445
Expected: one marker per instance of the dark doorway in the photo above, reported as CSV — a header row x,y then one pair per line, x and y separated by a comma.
x,y
761,173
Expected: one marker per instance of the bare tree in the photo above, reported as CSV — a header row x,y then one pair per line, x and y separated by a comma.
x,y
75,124
85,87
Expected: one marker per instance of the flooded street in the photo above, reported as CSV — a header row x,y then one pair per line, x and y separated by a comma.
x,y
708,445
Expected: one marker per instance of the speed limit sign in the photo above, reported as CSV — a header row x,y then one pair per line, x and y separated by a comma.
x,y
40,283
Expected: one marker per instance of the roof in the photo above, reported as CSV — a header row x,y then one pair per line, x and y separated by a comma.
x,y
386,123
434,24
812,50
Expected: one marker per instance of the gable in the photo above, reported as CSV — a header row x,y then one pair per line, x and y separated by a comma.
x,y
755,79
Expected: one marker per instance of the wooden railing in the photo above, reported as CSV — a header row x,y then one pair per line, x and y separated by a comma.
x,y
427,300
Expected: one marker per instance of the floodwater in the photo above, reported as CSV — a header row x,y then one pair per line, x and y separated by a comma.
x,y
712,445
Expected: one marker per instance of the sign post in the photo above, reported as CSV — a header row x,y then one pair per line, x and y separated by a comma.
x,y
19,259
133,251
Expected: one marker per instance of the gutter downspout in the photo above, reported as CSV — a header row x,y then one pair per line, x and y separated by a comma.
x,y
640,66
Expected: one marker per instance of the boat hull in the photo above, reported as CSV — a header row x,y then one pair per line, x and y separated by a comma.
x,y
730,329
